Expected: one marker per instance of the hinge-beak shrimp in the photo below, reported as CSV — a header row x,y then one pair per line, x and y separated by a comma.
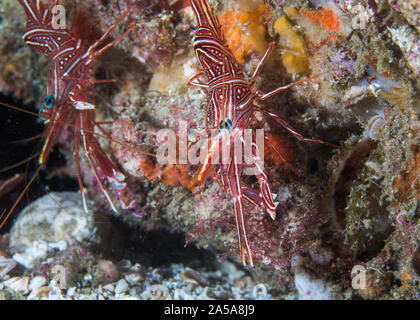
x,y
230,107
69,89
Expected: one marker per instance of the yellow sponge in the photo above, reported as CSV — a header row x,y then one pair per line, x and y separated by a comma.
x,y
295,58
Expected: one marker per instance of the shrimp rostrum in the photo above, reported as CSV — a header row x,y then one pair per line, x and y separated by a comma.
x,y
69,92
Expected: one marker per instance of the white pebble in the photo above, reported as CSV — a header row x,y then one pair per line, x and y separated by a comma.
x,y
109,287
18,284
121,286
312,289
48,224
133,278
71,292
37,283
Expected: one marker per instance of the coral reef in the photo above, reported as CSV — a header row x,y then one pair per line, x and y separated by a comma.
x,y
337,208
244,28
295,58
18,72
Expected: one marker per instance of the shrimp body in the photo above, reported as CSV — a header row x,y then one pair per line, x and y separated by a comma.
x,y
230,108
70,91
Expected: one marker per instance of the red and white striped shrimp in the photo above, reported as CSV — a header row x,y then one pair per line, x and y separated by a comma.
x,y
70,86
230,107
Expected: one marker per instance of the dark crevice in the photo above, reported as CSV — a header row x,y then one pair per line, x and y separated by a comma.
x,y
155,248
416,261
16,127
353,164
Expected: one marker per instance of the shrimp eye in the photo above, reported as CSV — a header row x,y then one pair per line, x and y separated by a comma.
x,y
225,124
49,102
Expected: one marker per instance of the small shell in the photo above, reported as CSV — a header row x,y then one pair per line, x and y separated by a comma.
x,y
19,284
6,265
156,292
192,275
43,291
109,269
375,126
259,291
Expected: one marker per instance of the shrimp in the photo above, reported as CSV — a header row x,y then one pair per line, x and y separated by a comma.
x,y
231,104
70,88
